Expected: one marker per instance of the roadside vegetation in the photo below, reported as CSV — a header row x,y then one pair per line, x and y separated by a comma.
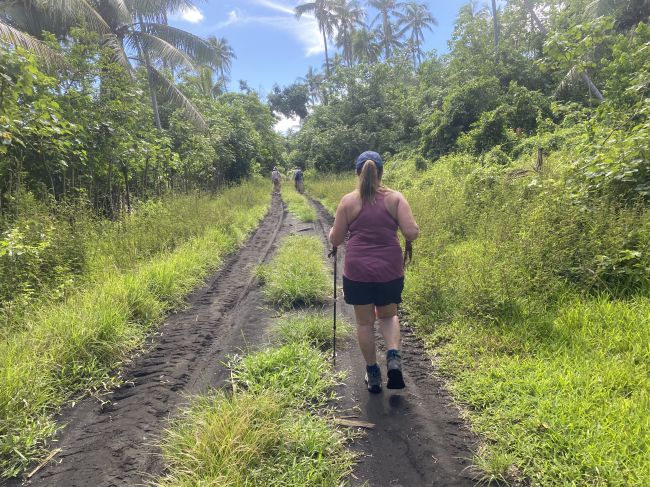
x,y
297,276
63,350
298,204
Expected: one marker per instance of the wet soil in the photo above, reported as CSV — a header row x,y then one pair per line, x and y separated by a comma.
x,y
418,439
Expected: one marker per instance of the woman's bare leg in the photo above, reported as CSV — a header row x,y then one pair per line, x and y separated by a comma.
x,y
389,325
365,316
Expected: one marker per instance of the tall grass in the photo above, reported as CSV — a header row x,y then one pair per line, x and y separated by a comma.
x,y
328,189
253,440
52,256
75,346
298,205
297,276
299,372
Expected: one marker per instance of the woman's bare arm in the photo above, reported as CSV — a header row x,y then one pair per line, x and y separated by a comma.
x,y
340,228
406,221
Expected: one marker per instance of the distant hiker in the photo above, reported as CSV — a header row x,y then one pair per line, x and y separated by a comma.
x,y
373,274
276,178
299,180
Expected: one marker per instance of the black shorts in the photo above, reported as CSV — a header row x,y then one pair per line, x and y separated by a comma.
x,y
377,293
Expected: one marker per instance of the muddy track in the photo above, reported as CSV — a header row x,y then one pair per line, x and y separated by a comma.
x,y
113,443
419,438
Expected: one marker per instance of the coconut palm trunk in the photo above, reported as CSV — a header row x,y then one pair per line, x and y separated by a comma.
x,y
495,21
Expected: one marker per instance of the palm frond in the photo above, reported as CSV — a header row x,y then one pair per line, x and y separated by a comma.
x,y
158,48
117,11
157,10
119,54
196,48
17,38
178,99
70,12
569,80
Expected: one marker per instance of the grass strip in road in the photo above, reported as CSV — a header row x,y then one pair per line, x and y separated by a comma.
x,y
298,205
297,276
253,439
312,328
75,347
302,374
267,432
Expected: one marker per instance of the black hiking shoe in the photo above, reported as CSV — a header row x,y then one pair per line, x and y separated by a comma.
x,y
373,378
394,366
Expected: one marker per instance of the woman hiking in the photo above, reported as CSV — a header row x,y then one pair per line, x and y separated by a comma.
x,y
373,274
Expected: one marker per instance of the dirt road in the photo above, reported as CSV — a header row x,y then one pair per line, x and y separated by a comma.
x,y
418,440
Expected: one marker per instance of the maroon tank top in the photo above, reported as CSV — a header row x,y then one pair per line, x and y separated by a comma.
x,y
373,252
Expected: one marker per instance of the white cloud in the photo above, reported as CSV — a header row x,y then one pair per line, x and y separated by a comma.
x,y
285,124
190,14
305,29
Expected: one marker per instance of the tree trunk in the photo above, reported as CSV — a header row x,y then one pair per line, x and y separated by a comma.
x,y
327,66
495,21
125,172
592,87
144,55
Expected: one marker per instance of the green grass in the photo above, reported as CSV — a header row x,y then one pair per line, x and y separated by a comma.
x,y
269,431
253,440
300,373
297,276
564,396
312,328
329,189
298,205
75,346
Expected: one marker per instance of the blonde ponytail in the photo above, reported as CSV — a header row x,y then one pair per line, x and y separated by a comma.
x,y
369,181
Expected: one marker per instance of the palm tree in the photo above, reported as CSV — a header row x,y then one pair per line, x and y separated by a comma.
x,y
224,55
366,46
416,18
323,11
314,81
476,9
138,26
349,15
574,73
386,9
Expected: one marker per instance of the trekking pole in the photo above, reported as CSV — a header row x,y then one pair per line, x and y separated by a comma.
x,y
333,254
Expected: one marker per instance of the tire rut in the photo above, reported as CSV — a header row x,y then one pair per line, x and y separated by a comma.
x,y
114,443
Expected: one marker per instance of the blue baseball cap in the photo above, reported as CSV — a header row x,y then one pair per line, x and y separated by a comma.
x,y
369,156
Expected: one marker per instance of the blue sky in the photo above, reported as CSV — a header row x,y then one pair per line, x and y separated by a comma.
x,y
272,46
